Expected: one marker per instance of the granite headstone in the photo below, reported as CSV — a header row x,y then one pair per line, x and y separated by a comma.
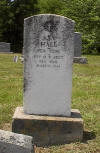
x,y
78,49
77,44
4,47
48,56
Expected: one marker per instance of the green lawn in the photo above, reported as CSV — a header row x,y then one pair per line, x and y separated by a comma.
x,y
85,97
11,82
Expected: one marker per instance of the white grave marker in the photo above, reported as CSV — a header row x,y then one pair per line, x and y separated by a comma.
x,y
48,56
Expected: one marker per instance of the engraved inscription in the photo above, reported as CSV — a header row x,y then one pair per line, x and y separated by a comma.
x,y
50,59
48,53
48,44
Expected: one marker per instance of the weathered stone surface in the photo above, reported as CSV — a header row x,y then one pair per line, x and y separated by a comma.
x,y
4,47
48,56
78,49
49,130
15,143
80,60
77,44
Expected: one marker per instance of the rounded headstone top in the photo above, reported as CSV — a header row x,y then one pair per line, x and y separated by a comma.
x,y
78,33
48,15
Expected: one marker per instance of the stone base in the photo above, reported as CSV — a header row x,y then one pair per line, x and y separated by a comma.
x,y
81,60
49,130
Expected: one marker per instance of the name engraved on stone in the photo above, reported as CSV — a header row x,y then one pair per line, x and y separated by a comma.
x,y
48,44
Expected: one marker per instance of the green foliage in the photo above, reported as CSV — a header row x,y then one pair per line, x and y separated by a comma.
x,y
97,24
86,14
87,18
21,9
6,18
50,6
88,44
12,16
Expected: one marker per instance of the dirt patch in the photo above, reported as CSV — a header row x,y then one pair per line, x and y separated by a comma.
x,y
6,127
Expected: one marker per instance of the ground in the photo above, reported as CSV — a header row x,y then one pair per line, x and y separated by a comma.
x,y
85,97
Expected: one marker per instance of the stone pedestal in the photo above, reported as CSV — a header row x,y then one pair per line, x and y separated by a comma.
x,y
80,60
49,130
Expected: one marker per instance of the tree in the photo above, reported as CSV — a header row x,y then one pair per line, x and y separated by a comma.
x,y
6,18
85,13
50,6
13,14
97,25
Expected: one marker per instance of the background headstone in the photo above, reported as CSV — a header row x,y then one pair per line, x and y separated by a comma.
x,y
77,44
78,49
4,47
48,56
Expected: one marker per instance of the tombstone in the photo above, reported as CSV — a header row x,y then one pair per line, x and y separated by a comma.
x,y
4,47
77,44
15,143
78,49
15,59
48,52
48,58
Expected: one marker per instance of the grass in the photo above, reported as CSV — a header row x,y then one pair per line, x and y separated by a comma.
x,y
85,97
11,80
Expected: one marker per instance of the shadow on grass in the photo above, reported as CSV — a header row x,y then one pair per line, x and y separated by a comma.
x,y
88,135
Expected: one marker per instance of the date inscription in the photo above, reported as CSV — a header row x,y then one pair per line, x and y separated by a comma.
x,y
48,55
